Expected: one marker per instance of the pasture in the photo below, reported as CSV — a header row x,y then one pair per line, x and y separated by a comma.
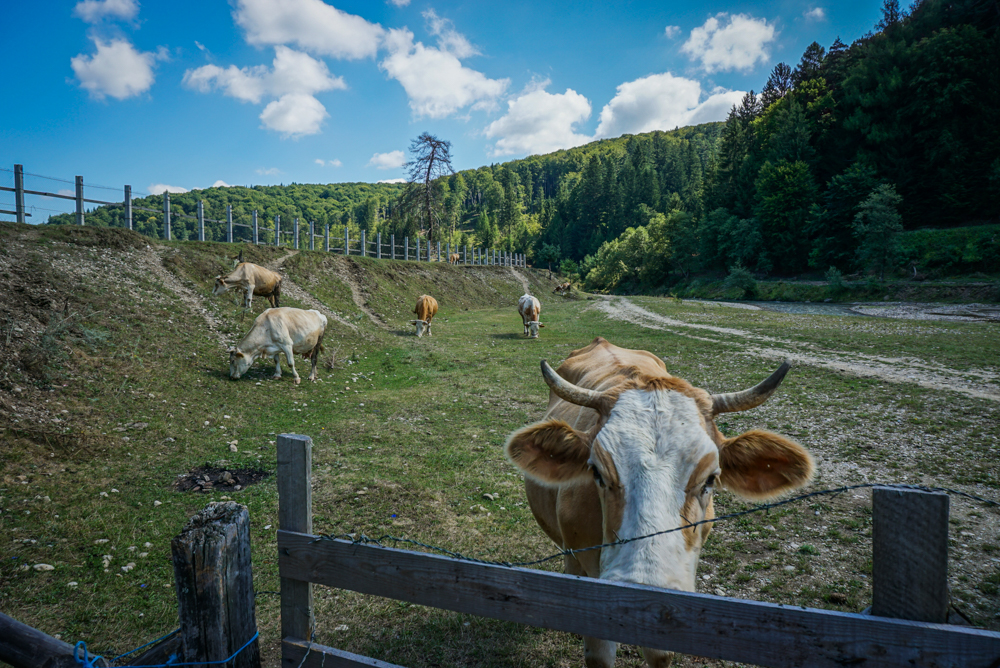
x,y
114,387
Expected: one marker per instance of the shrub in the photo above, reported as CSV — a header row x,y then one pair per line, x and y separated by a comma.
x,y
741,280
835,283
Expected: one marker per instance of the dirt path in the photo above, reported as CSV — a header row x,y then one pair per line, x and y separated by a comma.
x,y
524,281
359,298
979,383
154,262
296,292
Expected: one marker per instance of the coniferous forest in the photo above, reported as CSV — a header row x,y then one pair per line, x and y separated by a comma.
x,y
874,158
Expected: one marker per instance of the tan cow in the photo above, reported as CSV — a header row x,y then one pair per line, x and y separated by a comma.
x,y
627,450
253,280
425,310
454,258
529,308
279,331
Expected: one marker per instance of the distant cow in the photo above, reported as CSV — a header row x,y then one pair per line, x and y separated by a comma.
x,y
277,331
563,288
253,280
426,308
530,308
454,258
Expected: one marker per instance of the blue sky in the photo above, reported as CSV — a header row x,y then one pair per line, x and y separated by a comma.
x,y
191,94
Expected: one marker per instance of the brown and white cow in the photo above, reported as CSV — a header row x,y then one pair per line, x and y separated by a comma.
x,y
253,280
454,258
279,331
529,308
627,450
563,288
425,310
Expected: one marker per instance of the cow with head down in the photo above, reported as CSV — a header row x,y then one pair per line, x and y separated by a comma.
x,y
280,331
425,310
627,450
530,308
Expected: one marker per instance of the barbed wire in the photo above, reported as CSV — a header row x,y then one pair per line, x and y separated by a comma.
x,y
365,540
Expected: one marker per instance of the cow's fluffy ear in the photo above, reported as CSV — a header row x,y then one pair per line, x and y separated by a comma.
x,y
549,452
760,465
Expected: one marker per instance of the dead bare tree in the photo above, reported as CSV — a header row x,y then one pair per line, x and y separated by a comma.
x,y
431,160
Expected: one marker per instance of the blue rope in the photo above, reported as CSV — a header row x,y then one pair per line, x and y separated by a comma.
x,y
175,631
89,663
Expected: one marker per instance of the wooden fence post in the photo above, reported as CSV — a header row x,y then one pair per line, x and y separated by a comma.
x,y
128,207
296,236
277,229
201,220
418,249
215,597
166,215
79,200
910,554
229,223
392,245
19,192
312,235
438,251
347,240
295,514
378,245
326,236
255,227
364,243
406,248
22,646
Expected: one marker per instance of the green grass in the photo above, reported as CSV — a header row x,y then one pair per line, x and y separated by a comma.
x,y
414,428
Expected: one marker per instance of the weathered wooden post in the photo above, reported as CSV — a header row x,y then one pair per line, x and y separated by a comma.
x,y
22,646
378,245
392,246
277,229
438,251
910,554
418,249
214,580
19,192
312,235
128,207
406,248
326,236
79,200
201,220
166,215
255,227
429,251
229,223
295,514
347,240
465,253
364,246
296,235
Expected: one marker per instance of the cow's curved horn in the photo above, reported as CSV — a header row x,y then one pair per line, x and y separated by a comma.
x,y
567,391
744,400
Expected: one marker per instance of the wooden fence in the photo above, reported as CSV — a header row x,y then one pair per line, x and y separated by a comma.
x,y
909,535
364,247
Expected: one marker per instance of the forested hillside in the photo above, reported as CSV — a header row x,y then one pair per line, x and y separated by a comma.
x,y
830,168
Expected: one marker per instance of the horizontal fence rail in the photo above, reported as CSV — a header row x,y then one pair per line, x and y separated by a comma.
x,y
761,633
365,247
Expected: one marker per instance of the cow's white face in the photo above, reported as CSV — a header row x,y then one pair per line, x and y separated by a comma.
x,y
423,327
239,362
533,328
220,286
655,468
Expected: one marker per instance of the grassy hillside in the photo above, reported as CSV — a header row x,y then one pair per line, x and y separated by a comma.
x,y
114,389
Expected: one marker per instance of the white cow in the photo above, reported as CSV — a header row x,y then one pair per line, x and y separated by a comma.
x,y
529,308
276,331
253,280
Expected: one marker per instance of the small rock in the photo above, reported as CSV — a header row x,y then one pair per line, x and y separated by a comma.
x,y
232,448
719,591
169,439
100,541
143,555
342,627
104,493
157,503
147,544
44,567
72,584
489,496
838,597
226,477
789,569
46,499
238,487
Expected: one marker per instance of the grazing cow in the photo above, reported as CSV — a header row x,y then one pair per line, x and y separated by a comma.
x,y
562,288
276,331
253,280
454,258
627,450
426,308
529,308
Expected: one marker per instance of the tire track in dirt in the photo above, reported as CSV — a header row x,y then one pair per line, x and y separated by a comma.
x,y
298,293
189,296
978,384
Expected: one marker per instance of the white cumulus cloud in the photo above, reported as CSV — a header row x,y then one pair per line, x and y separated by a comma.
x,y
116,69
160,188
392,181
662,102
313,25
94,11
328,163
434,78
220,184
294,115
672,31
725,42
398,3
390,160
815,14
270,171
540,122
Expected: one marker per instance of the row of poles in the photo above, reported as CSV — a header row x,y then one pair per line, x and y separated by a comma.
x,y
480,256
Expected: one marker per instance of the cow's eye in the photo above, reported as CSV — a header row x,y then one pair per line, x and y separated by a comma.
x,y
597,476
709,485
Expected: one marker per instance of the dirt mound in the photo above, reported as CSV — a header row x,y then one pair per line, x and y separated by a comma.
x,y
211,478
